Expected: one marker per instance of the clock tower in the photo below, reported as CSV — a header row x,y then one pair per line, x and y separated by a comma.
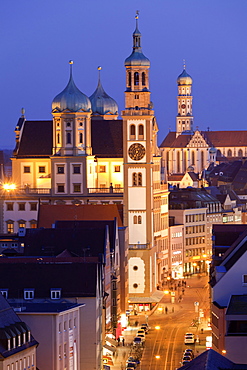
x,y
139,150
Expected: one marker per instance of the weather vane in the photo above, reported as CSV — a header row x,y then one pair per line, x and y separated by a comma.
x,y
184,63
137,14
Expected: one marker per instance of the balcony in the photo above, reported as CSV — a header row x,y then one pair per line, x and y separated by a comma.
x,y
105,190
139,246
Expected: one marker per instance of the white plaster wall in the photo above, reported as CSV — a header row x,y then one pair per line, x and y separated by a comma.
x,y
137,198
136,276
137,232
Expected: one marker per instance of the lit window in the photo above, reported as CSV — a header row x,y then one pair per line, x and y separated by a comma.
x,y
102,169
10,227
22,224
41,169
117,169
27,169
77,188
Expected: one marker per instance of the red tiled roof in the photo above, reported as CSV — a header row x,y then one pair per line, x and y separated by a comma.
x,y
176,177
49,214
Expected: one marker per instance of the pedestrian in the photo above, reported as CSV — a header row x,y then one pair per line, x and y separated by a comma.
x,y
118,341
166,309
136,323
123,341
183,290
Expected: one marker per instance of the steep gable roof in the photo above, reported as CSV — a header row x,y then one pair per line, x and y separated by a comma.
x,y
36,140
49,214
107,138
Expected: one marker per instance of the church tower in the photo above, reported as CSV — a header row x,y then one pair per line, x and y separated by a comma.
x,y
139,148
184,119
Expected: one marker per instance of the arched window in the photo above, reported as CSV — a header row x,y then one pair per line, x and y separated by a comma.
x,y
139,179
135,219
136,78
58,138
139,219
218,154
143,79
193,158
178,162
202,160
167,161
68,138
80,138
132,132
134,179
129,79
141,132
240,153
229,153
185,161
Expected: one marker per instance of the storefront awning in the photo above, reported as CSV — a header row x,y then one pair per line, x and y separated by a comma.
x,y
109,348
112,341
154,298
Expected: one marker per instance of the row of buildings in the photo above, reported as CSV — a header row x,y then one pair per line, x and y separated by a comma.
x,y
100,216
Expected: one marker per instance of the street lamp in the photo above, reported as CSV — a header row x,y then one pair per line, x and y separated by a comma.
x,y
157,327
157,357
8,186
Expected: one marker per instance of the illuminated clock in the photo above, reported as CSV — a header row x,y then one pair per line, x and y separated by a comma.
x,y
183,106
136,151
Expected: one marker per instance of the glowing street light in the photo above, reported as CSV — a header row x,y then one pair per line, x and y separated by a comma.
x,y
157,327
9,187
157,357
166,291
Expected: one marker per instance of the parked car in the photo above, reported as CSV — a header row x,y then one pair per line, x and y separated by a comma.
x,y
189,352
189,338
137,341
133,359
186,358
131,364
140,332
142,336
145,328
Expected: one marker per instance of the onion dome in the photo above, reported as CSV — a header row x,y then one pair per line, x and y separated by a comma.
x,y
184,78
101,102
71,98
137,58
212,150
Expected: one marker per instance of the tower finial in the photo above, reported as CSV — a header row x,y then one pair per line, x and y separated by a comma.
x,y
99,69
23,112
71,63
136,17
184,64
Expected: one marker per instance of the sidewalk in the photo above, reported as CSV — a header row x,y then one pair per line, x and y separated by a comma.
x,y
123,352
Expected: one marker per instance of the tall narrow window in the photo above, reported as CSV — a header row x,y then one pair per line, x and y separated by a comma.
x,y
136,78
202,159
193,158
135,219
58,138
240,153
178,162
141,132
80,138
134,179
143,79
139,179
68,138
129,79
132,132
229,153
139,219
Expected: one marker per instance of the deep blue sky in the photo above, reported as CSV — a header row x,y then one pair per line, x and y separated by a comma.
x,y
38,38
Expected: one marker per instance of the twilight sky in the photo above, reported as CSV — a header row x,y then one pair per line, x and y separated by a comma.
x,y
38,38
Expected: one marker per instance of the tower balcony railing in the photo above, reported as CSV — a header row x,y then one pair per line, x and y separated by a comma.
x,y
105,190
138,112
139,246
28,190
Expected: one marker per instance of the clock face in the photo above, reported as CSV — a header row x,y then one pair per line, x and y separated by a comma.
x,y
183,106
136,151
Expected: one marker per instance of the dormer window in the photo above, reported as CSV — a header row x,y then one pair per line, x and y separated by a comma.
x,y
4,293
55,293
19,340
28,293
9,344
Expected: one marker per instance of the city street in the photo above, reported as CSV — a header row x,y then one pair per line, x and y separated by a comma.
x,y
165,346
169,322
